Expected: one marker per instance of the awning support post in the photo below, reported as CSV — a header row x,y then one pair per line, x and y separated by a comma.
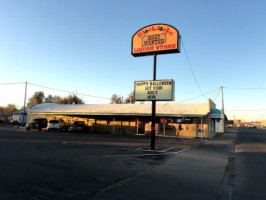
x,y
137,125
91,125
164,129
113,125
201,127
121,126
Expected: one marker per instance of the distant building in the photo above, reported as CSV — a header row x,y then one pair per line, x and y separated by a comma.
x,y
17,116
230,123
239,122
263,123
2,118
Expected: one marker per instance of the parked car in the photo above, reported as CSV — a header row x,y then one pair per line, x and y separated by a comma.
x,y
78,126
57,124
13,122
37,123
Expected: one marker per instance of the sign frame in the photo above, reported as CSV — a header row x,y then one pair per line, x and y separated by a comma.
x,y
155,27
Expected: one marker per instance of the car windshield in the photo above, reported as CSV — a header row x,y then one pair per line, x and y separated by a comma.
x,y
78,123
35,120
54,121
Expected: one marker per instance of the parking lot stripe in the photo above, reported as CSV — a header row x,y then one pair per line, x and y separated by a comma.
x,y
166,149
148,154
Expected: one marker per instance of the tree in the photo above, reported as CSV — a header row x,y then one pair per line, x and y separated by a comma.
x,y
57,99
49,99
70,99
74,99
37,98
8,110
115,99
130,98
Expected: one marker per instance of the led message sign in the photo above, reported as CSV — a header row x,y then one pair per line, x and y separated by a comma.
x,y
160,90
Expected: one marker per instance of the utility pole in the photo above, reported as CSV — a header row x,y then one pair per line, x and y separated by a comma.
x,y
222,99
223,106
23,117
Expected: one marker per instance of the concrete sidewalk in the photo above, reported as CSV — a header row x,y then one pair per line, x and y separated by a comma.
x,y
196,173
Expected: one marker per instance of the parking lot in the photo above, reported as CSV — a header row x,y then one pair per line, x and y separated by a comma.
x,y
63,165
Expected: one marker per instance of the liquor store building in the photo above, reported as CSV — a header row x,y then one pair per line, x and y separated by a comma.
x,y
196,119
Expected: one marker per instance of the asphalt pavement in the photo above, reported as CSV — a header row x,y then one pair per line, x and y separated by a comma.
x,y
41,165
194,173
248,177
62,165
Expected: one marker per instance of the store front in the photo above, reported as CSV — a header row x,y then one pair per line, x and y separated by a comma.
x,y
179,120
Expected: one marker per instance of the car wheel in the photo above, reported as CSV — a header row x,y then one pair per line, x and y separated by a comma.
x,y
28,129
48,130
40,129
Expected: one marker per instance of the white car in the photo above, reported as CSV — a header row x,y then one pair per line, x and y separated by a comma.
x,y
56,124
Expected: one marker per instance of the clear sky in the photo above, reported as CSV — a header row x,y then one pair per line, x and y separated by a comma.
x,y
84,46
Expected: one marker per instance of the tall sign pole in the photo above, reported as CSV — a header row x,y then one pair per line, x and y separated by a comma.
x,y
153,40
153,117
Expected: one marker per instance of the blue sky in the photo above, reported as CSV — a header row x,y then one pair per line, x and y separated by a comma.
x,y
85,47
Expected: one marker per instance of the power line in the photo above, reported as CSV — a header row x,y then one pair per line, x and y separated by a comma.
x,y
192,70
217,95
234,88
246,110
54,89
49,88
67,91
198,96
12,83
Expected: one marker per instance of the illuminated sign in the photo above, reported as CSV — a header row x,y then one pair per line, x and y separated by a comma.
x,y
163,121
156,39
160,90
179,120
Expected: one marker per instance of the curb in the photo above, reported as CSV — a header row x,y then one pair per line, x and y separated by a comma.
x,y
229,173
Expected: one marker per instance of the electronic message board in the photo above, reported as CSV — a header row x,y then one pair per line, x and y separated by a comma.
x,y
159,90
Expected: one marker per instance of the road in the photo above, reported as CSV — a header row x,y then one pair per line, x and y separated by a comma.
x,y
249,168
58,165
55,165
